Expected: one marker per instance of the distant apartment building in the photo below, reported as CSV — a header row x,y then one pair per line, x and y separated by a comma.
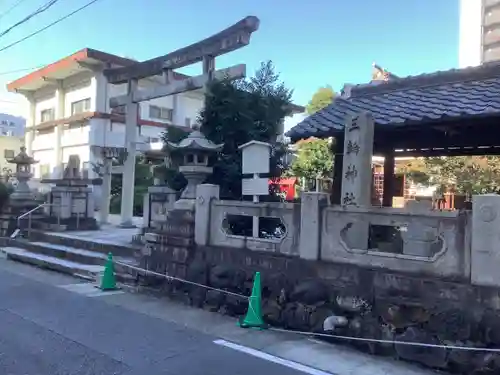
x,y
11,126
9,147
69,111
479,34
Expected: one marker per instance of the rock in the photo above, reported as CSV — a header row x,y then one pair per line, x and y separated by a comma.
x,y
276,286
368,326
310,292
235,306
487,364
225,277
271,311
296,316
214,300
198,273
463,361
451,325
352,304
332,322
490,328
403,316
429,356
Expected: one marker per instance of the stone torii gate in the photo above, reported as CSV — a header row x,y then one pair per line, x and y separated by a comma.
x,y
228,40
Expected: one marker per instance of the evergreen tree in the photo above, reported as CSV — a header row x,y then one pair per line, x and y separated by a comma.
x,y
241,111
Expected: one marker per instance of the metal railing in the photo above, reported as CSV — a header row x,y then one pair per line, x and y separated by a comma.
x,y
29,214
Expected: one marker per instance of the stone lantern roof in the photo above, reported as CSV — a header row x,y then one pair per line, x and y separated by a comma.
x,y
22,158
195,141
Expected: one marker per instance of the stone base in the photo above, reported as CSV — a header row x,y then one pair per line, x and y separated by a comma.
x,y
74,224
169,250
127,225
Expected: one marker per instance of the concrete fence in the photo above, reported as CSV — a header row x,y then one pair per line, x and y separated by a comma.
x,y
457,245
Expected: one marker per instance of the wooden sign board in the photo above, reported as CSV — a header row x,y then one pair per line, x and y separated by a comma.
x,y
255,157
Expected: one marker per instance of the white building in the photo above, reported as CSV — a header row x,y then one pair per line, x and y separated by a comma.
x,y
479,34
69,111
11,126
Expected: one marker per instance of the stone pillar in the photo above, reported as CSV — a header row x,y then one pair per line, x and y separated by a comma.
x,y
179,117
338,162
58,130
311,211
357,167
357,173
389,165
205,193
127,202
105,191
98,84
30,123
485,253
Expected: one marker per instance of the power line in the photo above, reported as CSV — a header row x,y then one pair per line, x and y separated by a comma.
x,y
20,70
48,26
40,10
14,6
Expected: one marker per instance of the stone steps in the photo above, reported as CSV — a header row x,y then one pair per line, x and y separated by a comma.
x,y
85,244
85,271
71,260
68,253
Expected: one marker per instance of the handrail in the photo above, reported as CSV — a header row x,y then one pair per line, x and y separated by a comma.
x,y
30,212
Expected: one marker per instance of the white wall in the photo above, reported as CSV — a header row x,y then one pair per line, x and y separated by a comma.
x,y
78,91
75,135
43,102
44,141
470,33
44,157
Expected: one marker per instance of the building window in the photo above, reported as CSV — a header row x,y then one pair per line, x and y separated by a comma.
x,y
80,106
187,122
12,123
161,113
120,110
44,170
47,115
8,154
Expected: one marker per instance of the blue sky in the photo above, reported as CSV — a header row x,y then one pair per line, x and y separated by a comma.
x,y
312,43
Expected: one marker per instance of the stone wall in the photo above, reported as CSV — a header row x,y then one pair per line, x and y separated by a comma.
x,y
325,297
421,285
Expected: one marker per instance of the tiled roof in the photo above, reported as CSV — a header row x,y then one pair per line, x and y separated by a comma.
x,y
426,98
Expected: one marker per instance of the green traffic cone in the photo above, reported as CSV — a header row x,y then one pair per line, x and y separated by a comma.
x,y
108,281
253,318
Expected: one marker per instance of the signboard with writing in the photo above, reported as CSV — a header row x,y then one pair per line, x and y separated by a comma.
x,y
357,167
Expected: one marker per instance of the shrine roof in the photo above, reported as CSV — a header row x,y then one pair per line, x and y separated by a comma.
x,y
433,98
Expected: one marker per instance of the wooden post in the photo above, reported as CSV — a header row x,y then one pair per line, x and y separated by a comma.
x,y
389,165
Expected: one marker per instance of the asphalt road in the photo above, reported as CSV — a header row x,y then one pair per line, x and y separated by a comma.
x,y
48,330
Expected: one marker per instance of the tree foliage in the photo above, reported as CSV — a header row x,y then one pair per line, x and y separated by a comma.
x,y
462,174
314,159
241,111
321,99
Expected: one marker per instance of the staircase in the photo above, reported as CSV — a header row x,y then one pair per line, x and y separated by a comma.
x,y
74,256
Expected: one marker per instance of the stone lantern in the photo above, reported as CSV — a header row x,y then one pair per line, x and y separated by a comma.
x,y
195,150
23,174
